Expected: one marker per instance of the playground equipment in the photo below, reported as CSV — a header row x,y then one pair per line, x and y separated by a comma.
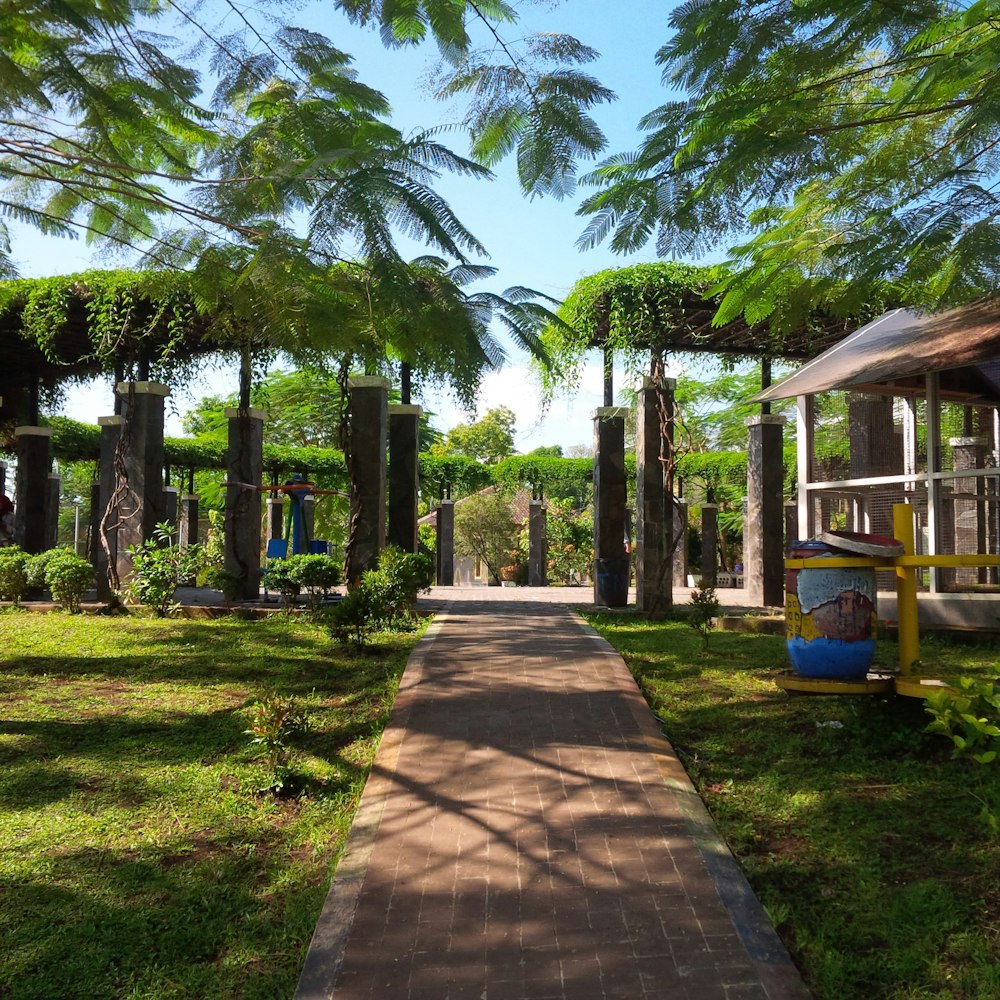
x,y
905,566
296,529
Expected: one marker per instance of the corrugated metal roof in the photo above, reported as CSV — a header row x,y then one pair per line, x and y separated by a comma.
x,y
901,344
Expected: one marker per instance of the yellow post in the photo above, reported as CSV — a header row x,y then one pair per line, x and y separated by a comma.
x,y
906,589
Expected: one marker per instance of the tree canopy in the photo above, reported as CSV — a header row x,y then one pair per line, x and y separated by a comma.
x,y
852,145
257,161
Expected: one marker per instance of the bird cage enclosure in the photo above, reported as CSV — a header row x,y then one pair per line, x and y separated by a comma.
x,y
930,442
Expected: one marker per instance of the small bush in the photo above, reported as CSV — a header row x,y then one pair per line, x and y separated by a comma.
x,y
68,577
317,573
385,596
159,566
702,611
273,720
280,575
14,565
394,584
37,565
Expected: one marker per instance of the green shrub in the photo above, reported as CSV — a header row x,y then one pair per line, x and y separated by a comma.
x,y
385,596
353,618
280,575
273,719
159,566
37,565
68,577
318,573
13,573
702,611
395,582
969,718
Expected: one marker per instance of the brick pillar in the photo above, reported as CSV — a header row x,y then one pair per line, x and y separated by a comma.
x,y
537,545
763,523
369,441
709,544
33,463
53,491
653,586
611,561
446,544
111,428
141,508
404,476
244,464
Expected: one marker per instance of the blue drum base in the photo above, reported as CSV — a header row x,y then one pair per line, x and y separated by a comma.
x,y
831,658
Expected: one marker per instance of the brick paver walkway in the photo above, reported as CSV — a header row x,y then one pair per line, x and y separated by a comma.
x,y
528,833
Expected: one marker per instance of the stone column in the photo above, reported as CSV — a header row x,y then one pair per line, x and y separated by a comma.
x,y
763,524
3,471
141,507
187,526
33,463
308,522
791,526
653,587
111,428
369,440
537,545
680,556
53,491
969,515
709,544
275,517
170,505
244,464
611,561
446,544
404,476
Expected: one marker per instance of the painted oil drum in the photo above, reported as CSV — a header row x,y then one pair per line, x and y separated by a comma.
x,y
830,616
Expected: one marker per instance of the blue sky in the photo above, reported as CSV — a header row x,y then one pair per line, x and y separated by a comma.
x,y
531,242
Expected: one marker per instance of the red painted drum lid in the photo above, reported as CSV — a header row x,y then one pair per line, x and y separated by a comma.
x,y
864,545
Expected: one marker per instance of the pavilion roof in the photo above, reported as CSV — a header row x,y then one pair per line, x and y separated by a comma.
x,y
893,352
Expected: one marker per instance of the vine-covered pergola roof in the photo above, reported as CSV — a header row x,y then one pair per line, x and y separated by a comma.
x,y
77,327
668,307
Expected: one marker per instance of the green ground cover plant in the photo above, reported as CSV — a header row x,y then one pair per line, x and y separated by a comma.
x,y
146,850
869,845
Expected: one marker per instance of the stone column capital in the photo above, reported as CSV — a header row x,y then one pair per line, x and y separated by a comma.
x,y
367,382
763,419
142,388
405,410
253,412
113,421
610,412
30,430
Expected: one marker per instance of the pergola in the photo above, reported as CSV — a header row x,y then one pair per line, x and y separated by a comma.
x,y
668,308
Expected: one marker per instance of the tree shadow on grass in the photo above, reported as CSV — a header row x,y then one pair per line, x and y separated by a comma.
x,y
203,918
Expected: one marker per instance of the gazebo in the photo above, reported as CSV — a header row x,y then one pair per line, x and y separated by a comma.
x,y
907,409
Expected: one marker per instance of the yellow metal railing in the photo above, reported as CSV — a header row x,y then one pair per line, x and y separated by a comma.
x,y
906,567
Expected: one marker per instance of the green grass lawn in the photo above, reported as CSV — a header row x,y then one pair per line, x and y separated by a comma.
x,y
860,835
141,852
